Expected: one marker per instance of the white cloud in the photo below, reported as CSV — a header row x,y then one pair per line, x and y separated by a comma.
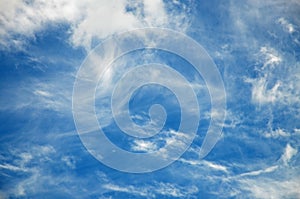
x,y
259,172
101,19
21,161
69,161
42,93
277,133
88,20
277,181
276,69
152,191
208,164
270,56
34,162
174,190
216,166
144,146
25,18
271,86
297,131
175,141
289,153
231,119
12,167
261,94
36,94
286,25
127,189
50,96
265,188
155,13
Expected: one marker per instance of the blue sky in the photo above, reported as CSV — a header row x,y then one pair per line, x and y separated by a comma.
x,y
255,46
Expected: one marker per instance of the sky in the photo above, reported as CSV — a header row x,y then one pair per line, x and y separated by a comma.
x,y
231,69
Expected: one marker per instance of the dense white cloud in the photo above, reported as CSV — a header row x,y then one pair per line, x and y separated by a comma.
x,y
25,18
88,20
102,18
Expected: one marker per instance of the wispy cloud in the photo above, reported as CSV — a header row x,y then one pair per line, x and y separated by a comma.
x,y
34,168
276,181
157,144
259,172
269,188
262,92
210,165
37,94
271,87
155,190
271,70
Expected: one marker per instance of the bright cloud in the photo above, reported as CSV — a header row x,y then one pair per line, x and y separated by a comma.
x,y
203,163
271,86
25,18
288,154
286,25
145,146
89,20
277,133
